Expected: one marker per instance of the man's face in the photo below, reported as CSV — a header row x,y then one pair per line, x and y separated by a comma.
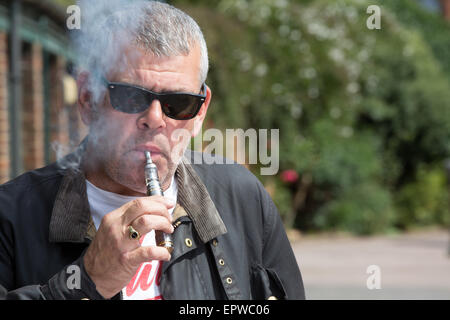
x,y
118,140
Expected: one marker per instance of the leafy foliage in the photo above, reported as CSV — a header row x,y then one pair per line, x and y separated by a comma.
x,y
432,26
364,113
424,201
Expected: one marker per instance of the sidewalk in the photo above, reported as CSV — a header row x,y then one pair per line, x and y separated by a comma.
x,y
412,266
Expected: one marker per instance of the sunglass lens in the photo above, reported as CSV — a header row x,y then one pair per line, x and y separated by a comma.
x,y
127,99
181,107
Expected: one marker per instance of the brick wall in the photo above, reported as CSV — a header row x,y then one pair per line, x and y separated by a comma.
x,y
33,107
59,119
4,123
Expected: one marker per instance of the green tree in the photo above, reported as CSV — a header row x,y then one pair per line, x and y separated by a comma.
x,y
359,111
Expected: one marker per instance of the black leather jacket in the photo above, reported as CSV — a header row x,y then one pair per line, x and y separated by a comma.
x,y
238,248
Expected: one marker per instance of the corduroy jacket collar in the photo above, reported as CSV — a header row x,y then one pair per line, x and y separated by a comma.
x,y
71,220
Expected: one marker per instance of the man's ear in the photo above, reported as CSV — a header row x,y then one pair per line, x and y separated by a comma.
x,y
198,120
85,106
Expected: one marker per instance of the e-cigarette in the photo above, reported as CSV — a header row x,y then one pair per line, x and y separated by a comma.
x,y
154,188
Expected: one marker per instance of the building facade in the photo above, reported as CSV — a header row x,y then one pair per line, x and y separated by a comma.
x,y
38,115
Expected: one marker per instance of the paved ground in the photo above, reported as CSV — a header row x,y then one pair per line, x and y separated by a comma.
x,y
412,266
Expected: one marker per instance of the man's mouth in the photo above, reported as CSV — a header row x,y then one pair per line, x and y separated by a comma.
x,y
154,151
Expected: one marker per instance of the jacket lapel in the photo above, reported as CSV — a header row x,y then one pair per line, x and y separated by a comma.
x,y
195,199
71,220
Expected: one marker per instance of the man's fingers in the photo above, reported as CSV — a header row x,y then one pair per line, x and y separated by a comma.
x,y
145,254
148,222
156,205
169,203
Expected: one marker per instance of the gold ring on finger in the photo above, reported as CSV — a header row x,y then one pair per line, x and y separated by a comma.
x,y
133,233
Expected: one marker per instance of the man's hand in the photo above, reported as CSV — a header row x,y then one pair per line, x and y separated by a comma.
x,y
113,258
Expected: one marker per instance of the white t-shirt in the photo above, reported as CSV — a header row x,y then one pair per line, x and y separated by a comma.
x,y
145,283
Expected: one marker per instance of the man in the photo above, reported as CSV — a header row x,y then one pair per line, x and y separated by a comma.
x,y
84,227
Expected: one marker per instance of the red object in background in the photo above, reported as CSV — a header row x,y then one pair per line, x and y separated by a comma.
x,y
289,176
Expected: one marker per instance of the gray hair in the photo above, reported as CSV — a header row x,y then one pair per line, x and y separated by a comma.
x,y
110,26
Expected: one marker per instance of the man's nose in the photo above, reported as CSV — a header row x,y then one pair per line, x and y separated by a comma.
x,y
153,117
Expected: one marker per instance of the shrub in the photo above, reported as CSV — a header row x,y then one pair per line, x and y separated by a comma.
x,y
357,109
424,201
364,209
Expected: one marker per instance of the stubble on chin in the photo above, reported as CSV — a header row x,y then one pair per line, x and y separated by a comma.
x,y
167,178
123,174
133,178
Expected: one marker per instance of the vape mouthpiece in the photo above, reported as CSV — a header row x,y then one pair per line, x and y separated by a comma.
x,y
148,156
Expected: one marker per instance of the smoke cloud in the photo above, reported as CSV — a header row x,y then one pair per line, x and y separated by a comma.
x,y
108,27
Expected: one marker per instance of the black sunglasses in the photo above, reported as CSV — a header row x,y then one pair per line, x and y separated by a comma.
x,y
134,99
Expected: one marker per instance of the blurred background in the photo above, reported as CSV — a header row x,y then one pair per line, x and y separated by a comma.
x,y
363,116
